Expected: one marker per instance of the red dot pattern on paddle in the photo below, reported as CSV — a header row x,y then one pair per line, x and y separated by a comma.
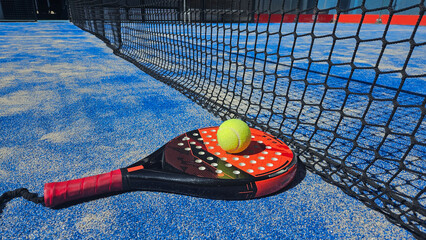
x,y
265,154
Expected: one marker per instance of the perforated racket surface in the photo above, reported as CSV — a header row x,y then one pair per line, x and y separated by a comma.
x,y
192,164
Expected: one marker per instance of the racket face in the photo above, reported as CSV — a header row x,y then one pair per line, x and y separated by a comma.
x,y
197,153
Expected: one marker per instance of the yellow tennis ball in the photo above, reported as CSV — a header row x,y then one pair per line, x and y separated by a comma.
x,y
234,136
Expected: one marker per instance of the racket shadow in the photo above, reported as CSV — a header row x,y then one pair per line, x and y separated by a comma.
x,y
298,178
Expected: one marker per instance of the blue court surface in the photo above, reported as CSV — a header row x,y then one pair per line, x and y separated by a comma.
x,y
70,108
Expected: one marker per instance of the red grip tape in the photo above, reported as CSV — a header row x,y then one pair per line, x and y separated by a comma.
x,y
57,193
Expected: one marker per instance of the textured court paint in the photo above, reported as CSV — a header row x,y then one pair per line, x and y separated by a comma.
x,y
69,108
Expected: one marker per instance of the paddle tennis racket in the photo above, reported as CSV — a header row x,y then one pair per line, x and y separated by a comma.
x,y
192,164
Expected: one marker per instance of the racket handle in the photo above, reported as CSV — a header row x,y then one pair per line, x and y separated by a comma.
x,y
57,193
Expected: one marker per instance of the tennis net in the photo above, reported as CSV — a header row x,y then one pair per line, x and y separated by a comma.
x,y
349,98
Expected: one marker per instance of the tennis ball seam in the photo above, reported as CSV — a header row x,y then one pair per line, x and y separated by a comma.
x,y
238,137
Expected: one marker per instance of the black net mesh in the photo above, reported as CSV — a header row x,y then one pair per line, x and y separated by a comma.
x,y
349,98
